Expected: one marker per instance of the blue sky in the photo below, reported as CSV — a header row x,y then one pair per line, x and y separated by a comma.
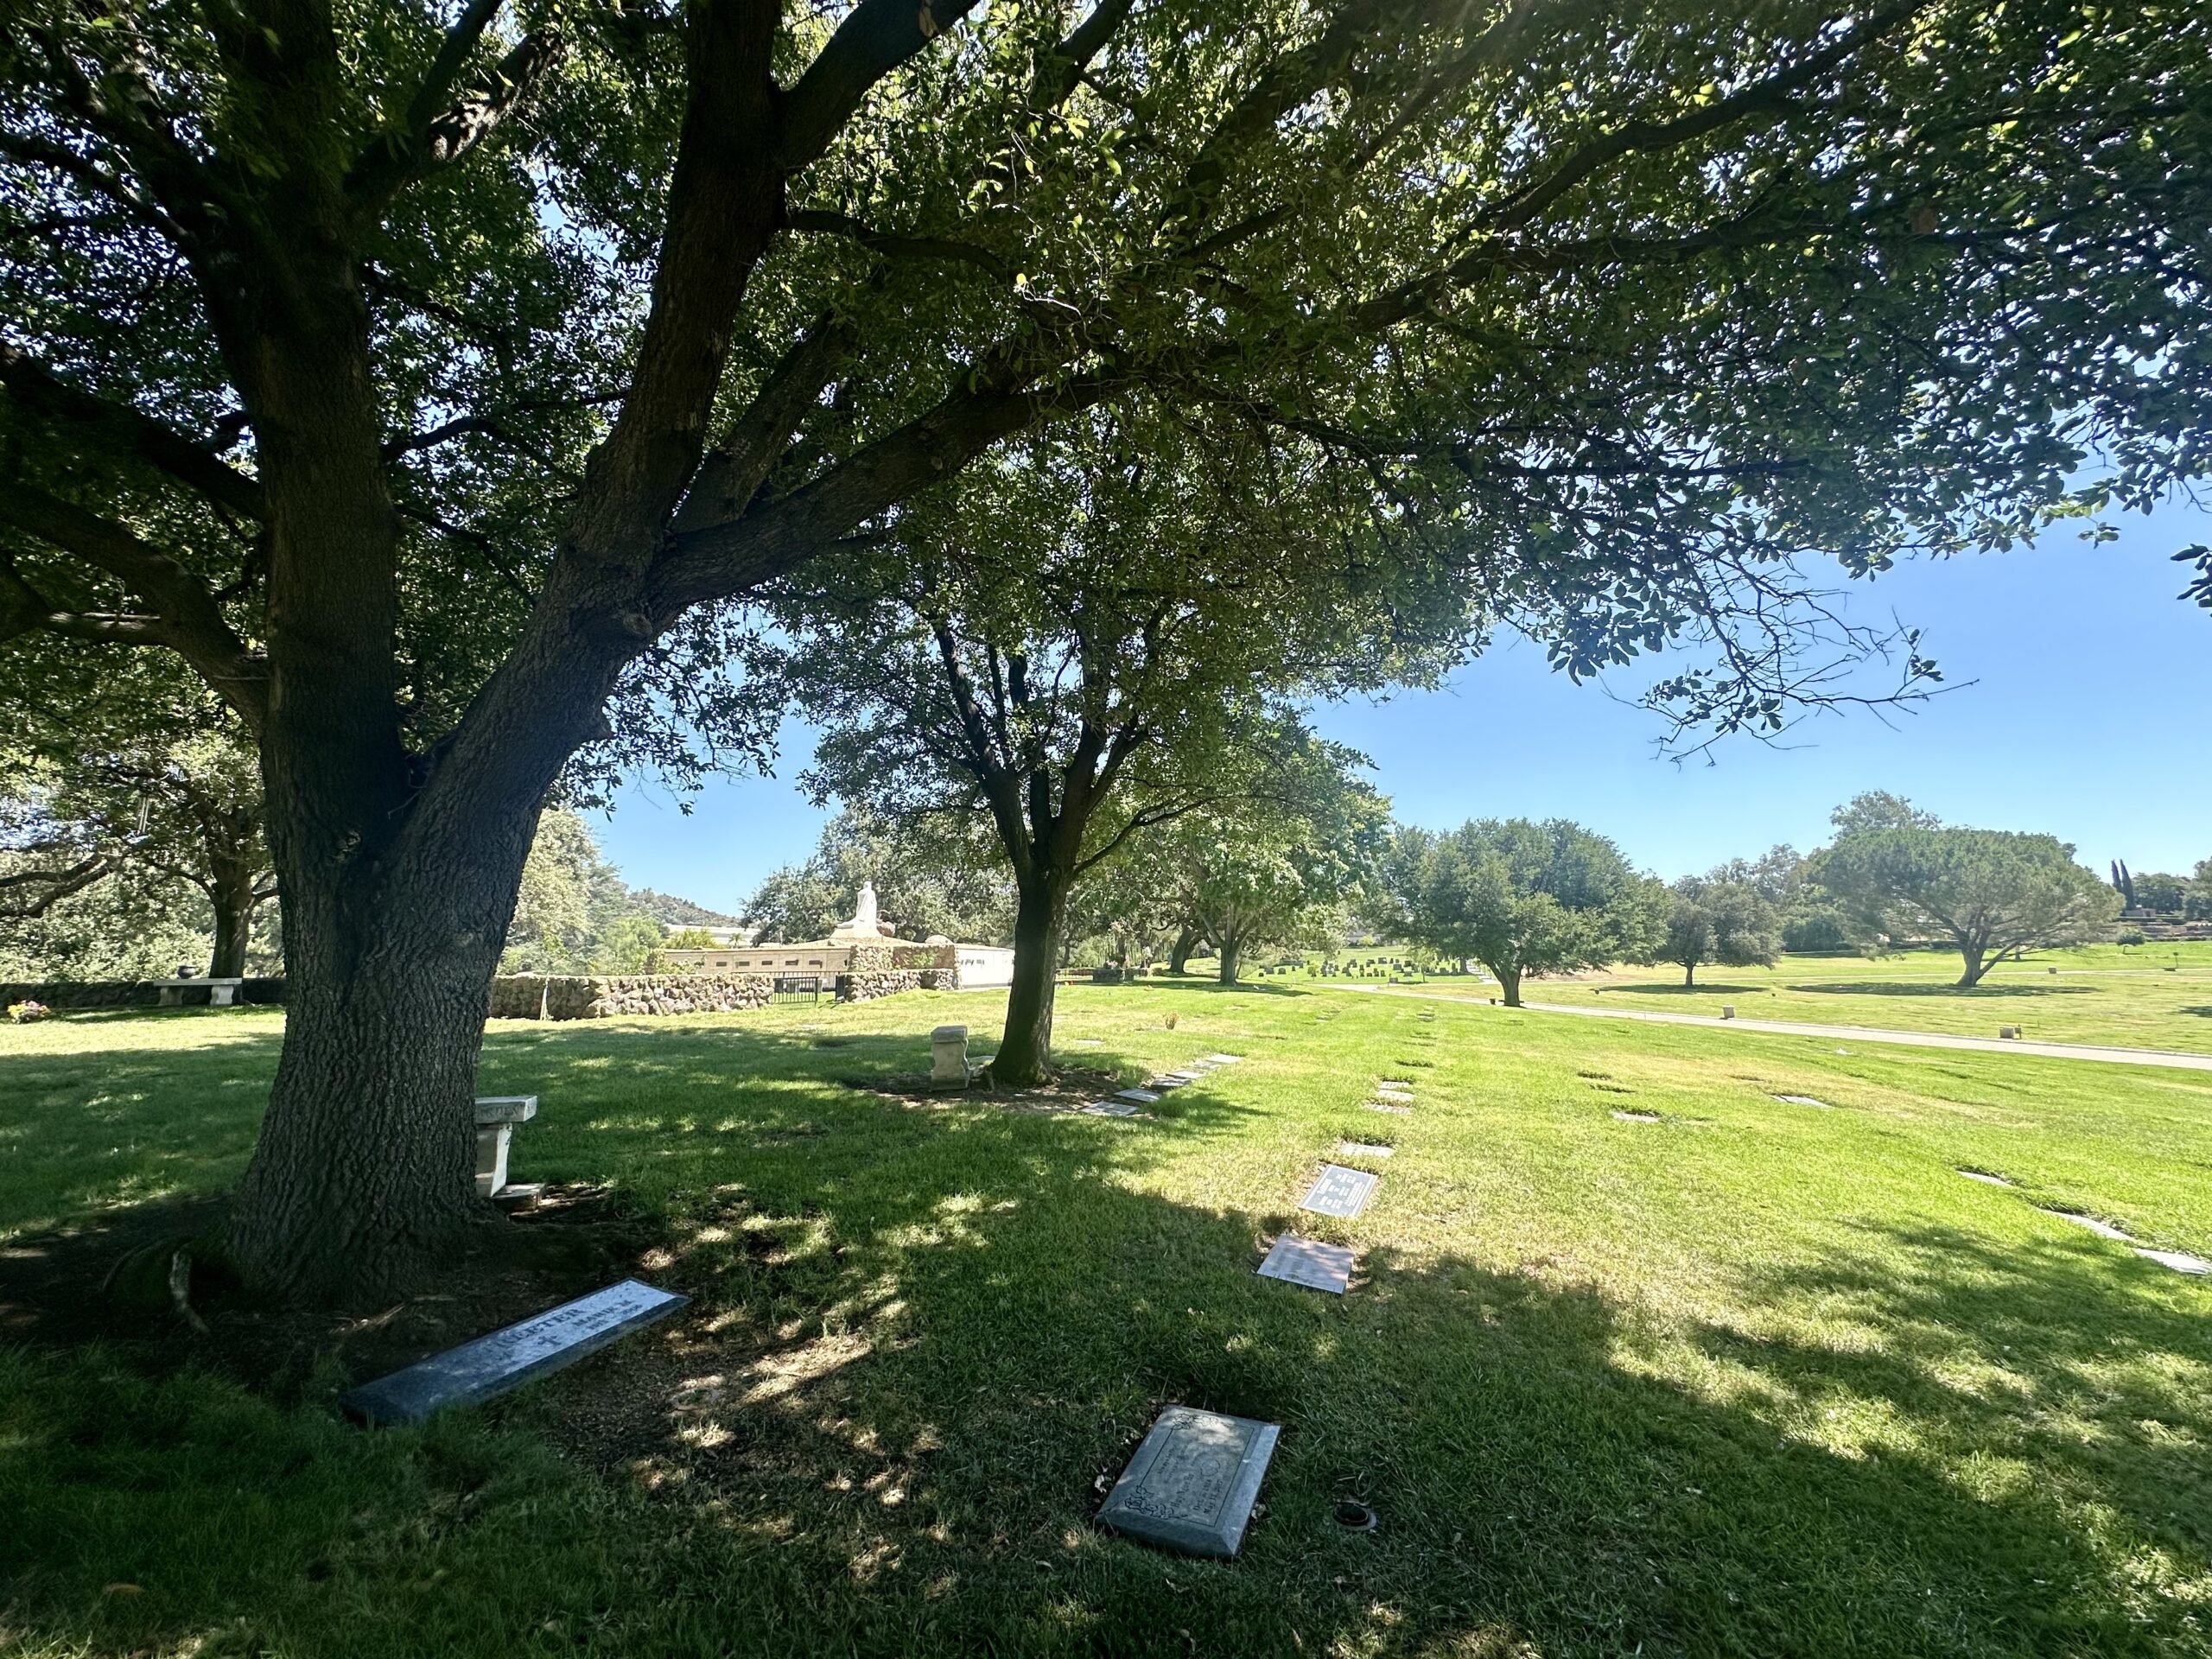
x,y
2086,717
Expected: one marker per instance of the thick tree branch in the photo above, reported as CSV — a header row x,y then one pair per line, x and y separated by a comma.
x,y
185,615
121,430
441,137
892,245
875,38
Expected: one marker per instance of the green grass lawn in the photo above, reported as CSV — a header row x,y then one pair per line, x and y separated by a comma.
x,y
1754,1378
2145,996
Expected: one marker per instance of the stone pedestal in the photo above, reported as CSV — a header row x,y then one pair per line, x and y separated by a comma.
x,y
496,1117
949,1057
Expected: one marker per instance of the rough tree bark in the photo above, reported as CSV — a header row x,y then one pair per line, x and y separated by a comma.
x,y
1041,918
1508,982
1232,956
1178,956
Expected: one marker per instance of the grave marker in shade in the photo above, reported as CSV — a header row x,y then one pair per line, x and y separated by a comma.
x,y
1110,1109
1339,1191
1193,1483
1138,1097
506,1359
1309,1262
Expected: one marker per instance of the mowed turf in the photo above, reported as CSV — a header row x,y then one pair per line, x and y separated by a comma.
x,y
1756,1378
2147,996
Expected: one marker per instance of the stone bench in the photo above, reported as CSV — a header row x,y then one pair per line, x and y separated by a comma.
x,y
221,993
496,1117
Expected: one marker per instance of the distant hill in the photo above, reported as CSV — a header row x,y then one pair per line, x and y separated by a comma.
x,y
677,913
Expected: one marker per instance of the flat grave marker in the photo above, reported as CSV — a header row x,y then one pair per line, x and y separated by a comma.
x,y
1801,1100
1309,1262
1394,1111
1110,1109
1193,1483
1165,1082
1362,1149
1340,1191
2101,1228
1984,1177
1638,1117
1137,1096
1225,1059
507,1358
2179,1261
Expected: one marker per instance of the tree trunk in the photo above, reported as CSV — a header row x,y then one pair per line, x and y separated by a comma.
x,y
363,1181
230,892
1974,966
1232,953
1025,1053
1689,975
1508,982
1178,957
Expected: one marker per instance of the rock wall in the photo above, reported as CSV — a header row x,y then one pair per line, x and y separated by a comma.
x,y
123,992
532,996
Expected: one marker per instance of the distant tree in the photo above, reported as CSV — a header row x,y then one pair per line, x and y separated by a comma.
x,y
2197,901
1996,894
2159,893
137,770
927,880
1876,808
1714,919
1526,899
689,938
675,912
1098,635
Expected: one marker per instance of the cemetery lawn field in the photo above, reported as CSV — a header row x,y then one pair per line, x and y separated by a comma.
x,y
2148,996
1638,1357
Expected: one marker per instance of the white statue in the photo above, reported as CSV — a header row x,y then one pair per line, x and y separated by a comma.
x,y
863,925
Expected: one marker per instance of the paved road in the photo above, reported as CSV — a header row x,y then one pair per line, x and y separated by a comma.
x,y
2165,1057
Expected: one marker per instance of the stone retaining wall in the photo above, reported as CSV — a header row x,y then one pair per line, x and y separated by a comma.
x,y
886,981
124,993
564,996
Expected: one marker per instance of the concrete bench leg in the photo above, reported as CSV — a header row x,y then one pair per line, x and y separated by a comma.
x,y
223,997
171,997
491,1142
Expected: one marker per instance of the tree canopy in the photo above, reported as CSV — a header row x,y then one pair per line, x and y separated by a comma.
x,y
1526,899
1995,894
1714,919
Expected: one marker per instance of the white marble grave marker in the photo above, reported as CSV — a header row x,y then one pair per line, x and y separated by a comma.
x,y
1309,1262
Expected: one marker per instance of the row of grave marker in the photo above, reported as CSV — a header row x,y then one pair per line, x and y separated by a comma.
x,y
1127,1102
1194,1479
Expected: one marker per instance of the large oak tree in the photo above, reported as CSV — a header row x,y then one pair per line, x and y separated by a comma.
x,y
430,380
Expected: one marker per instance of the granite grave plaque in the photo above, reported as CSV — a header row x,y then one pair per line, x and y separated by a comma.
x,y
1192,1484
1800,1100
1362,1149
506,1359
1138,1097
1110,1109
1340,1191
1309,1262
1224,1059
1385,1106
1165,1082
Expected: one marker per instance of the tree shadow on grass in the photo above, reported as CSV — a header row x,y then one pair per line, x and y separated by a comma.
x,y
921,1336
882,1426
